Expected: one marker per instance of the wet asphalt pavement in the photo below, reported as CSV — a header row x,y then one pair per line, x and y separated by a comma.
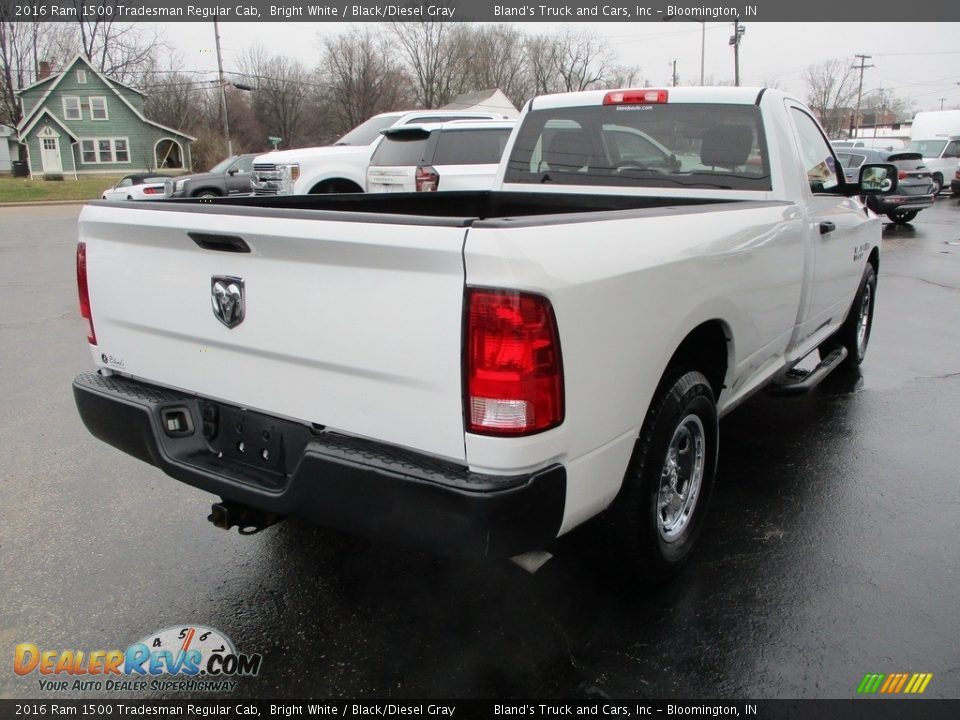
x,y
832,547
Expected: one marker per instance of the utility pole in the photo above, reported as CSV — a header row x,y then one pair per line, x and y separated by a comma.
x,y
942,100
738,32
223,89
861,67
703,48
676,80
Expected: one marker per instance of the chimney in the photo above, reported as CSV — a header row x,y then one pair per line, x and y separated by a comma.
x,y
43,71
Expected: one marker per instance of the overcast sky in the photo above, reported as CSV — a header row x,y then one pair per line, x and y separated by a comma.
x,y
919,61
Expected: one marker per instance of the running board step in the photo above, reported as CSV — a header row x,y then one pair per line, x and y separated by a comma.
x,y
797,382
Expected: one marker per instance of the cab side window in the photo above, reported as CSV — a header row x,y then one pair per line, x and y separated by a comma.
x,y
952,149
815,154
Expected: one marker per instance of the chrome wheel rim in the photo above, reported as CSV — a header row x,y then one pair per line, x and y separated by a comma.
x,y
680,478
863,321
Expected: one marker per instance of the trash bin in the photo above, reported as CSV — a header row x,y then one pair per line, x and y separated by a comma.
x,y
20,169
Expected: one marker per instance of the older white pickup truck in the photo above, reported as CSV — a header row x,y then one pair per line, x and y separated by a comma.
x,y
479,372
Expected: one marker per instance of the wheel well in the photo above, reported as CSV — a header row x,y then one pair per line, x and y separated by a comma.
x,y
705,348
196,192
874,260
335,185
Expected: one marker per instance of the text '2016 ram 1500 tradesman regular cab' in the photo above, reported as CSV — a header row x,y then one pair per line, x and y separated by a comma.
x,y
480,372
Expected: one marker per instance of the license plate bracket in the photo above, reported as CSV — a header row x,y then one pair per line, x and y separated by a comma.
x,y
249,438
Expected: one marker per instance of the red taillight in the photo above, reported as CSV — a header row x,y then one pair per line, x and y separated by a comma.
x,y
84,292
635,97
427,179
152,191
513,370
902,175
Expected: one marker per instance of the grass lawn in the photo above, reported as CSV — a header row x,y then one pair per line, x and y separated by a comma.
x,y
26,190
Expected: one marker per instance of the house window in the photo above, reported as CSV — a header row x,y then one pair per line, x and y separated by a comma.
x,y
81,77
98,108
49,144
71,107
89,151
105,150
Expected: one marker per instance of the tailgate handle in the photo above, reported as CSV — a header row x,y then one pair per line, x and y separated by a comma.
x,y
221,243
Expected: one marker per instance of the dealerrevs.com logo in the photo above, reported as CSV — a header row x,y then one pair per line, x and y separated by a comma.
x,y
191,658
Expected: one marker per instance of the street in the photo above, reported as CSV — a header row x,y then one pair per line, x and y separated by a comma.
x,y
832,548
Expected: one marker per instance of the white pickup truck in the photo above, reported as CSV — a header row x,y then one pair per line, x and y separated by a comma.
x,y
478,373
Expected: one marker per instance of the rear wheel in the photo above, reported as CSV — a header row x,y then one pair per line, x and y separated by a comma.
x,y
659,513
903,217
207,194
854,334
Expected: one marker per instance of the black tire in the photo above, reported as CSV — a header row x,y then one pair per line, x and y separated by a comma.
x,y
902,218
640,526
937,184
206,194
848,335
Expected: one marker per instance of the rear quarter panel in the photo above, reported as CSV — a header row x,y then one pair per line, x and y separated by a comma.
x,y
626,292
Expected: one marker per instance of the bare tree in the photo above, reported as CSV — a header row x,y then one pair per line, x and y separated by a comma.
x,y
623,76
361,78
281,90
22,46
581,59
120,50
831,89
498,60
572,60
436,57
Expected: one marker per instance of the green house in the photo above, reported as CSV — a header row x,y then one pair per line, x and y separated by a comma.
x,y
80,122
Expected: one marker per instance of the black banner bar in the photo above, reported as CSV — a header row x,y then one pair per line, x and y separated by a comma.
x,y
477,10
875,708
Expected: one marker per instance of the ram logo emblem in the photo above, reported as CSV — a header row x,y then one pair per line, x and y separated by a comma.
x,y
227,298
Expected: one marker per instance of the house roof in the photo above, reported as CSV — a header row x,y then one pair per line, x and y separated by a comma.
x,y
28,119
46,111
484,99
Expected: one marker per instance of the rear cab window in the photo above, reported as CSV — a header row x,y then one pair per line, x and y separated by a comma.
x,y
681,145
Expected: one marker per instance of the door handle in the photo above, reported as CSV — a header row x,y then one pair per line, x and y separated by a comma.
x,y
827,227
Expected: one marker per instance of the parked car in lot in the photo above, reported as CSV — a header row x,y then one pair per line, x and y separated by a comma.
x,y
228,177
459,155
955,183
341,167
915,190
141,186
871,143
478,372
940,154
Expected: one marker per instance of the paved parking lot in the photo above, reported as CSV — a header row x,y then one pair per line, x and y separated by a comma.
x,y
832,550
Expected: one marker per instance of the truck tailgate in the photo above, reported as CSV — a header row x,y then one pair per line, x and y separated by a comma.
x,y
344,327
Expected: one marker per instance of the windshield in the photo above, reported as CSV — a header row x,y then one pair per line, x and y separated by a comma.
x,y
221,167
682,145
928,148
367,132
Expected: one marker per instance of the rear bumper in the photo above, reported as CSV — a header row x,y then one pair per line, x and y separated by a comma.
x,y
339,481
896,203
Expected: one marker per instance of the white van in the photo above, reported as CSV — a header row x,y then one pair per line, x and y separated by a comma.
x,y
940,155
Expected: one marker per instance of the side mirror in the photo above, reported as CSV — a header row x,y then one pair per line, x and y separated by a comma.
x,y
878,179
232,171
